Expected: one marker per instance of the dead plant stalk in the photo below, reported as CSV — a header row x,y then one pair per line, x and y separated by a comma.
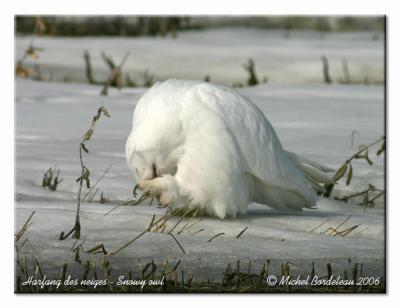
x,y
85,173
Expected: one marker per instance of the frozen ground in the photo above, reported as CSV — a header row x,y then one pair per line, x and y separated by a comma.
x,y
313,120
217,53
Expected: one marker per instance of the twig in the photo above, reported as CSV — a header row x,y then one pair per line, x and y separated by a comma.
x,y
357,233
96,248
318,226
24,227
161,227
250,68
174,269
90,199
345,166
376,197
128,243
76,229
108,60
345,72
347,231
114,75
152,221
89,71
180,220
325,70
219,234
364,148
329,229
180,246
97,182
241,232
342,223
187,226
135,238
35,260
198,231
129,202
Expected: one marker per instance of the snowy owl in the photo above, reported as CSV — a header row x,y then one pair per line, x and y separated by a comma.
x,y
210,148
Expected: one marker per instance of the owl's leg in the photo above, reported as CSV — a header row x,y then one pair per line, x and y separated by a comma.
x,y
165,188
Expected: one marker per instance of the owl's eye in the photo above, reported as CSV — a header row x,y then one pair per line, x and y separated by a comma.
x,y
137,171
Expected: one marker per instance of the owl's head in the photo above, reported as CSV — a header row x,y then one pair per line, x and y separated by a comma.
x,y
143,164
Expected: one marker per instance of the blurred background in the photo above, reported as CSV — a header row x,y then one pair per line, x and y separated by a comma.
x,y
137,51
162,25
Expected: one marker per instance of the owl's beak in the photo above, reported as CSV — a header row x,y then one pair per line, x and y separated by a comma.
x,y
155,174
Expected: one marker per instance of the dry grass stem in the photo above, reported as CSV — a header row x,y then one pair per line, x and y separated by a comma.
x,y
241,232
21,232
319,225
97,182
85,174
215,236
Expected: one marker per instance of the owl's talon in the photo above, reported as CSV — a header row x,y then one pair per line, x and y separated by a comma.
x,y
134,190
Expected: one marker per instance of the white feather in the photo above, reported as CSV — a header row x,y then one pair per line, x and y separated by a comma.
x,y
214,150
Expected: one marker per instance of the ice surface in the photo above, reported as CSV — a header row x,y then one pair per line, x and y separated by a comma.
x,y
313,120
217,53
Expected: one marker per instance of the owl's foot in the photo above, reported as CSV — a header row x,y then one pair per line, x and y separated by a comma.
x,y
164,188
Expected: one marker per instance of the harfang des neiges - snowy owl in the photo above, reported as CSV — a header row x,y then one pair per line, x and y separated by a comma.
x,y
210,148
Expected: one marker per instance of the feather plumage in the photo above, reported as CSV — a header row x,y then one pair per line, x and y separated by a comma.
x,y
215,150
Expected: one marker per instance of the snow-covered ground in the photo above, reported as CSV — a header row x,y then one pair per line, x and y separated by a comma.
x,y
314,120
218,53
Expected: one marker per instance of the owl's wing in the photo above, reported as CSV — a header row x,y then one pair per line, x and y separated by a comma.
x,y
262,152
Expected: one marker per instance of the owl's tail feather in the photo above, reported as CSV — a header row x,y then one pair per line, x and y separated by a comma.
x,y
313,171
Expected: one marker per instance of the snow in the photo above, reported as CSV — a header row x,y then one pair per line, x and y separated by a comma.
x,y
52,117
218,53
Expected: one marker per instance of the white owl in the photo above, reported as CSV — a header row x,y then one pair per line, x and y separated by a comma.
x,y
208,147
